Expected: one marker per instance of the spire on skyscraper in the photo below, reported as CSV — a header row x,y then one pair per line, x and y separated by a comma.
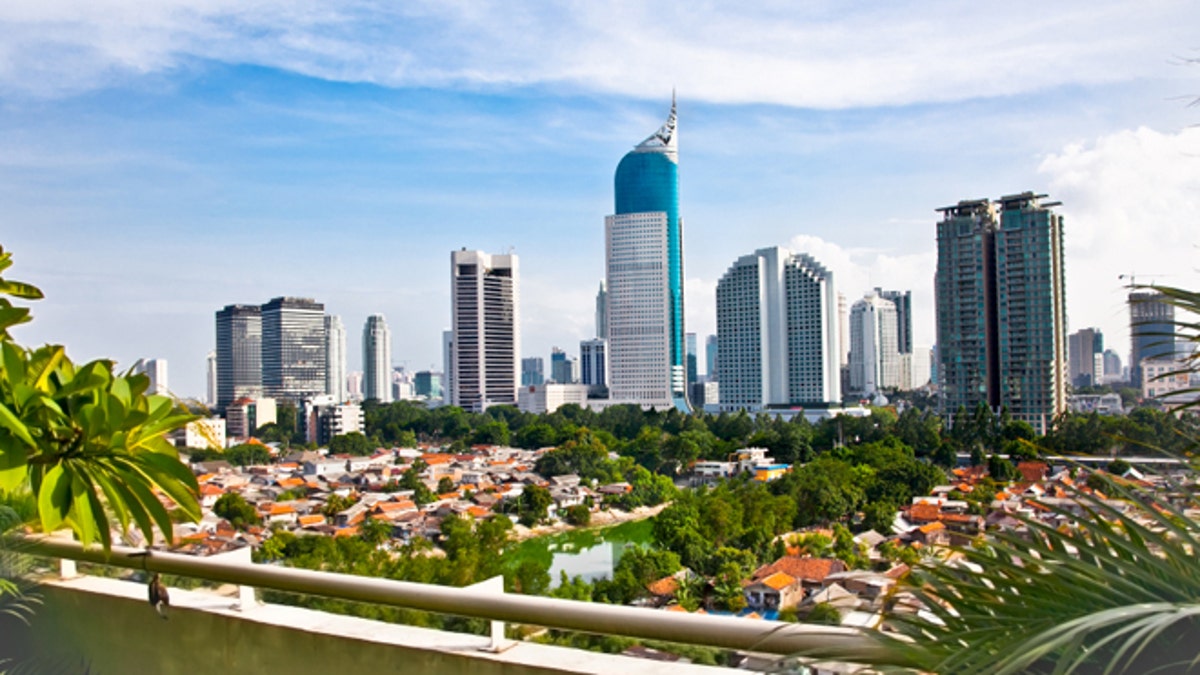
x,y
663,140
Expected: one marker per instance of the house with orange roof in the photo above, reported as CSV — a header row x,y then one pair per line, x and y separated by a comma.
x,y
1033,472
209,494
310,521
930,534
778,590
280,513
810,571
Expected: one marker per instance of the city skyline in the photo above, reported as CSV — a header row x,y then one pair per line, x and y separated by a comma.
x,y
191,162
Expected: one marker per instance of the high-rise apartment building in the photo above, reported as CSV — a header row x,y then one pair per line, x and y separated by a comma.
x,y
427,384
1085,357
448,366
156,370
874,351
910,373
487,337
377,359
335,358
1151,331
1001,310
239,353
1113,371
777,333
593,360
533,371
293,349
644,273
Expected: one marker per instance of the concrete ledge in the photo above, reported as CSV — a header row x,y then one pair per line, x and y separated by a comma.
x,y
106,626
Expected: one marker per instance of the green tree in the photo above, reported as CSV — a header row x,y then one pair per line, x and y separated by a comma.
x,y
579,515
534,505
353,443
233,507
445,485
86,442
824,614
375,531
246,454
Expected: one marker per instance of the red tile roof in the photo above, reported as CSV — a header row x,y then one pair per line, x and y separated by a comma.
x,y
806,569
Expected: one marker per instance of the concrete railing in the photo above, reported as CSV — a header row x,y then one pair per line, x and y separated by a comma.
x,y
707,630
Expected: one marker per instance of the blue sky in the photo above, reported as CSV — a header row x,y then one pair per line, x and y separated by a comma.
x,y
160,160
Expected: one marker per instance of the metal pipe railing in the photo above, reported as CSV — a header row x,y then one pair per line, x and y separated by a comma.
x,y
708,630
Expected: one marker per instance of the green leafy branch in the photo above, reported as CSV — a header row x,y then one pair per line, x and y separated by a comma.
x,y
86,441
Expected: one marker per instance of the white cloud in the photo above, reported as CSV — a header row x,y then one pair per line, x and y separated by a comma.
x,y
1132,205
822,55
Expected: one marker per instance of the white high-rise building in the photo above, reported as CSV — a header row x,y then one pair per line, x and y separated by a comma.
x,y
593,360
211,366
777,333
156,370
874,349
487,336
448,366
377,359
335,358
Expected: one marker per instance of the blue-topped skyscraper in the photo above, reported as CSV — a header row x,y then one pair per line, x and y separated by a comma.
x,y
644,270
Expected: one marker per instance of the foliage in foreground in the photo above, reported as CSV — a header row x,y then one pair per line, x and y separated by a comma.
x,y
86,442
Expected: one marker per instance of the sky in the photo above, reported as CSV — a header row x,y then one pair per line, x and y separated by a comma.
x,y
160,160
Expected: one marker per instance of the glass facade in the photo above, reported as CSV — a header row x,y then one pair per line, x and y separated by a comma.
x,y
647,181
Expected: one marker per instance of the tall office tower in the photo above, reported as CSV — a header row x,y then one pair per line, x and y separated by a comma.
x,y
335,358
210,363
562,367
293,349
692,374
602,312
487,336
593,360
710,358
843,313
1001,310
1112,366
156,370
874,354
377,359
533,371
239,354
644,271
903,303
448,366
1085,357
1151,331
777,333
427,384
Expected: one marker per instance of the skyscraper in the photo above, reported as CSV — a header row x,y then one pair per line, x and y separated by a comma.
x,y
692,365
533,370
335,358
293,349
239,353
1151,331
644,271
910,371
874,356
156,370
377,359
602,312
562,367
1085,357
710,358
210,364
593,359
1001,310
777,333
487,337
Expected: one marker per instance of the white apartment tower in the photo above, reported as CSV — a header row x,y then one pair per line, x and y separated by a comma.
x,y
335,358
777,333
487,338
156,370
377,359
874,346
